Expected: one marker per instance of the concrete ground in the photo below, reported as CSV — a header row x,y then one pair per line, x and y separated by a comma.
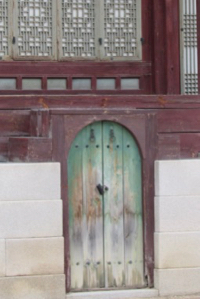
x,y
197,296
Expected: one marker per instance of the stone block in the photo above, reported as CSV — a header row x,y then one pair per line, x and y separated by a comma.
x,y
2,258
34,256
118,294
33,287
30,219
177,177
29,181
172,282
177,213
177,250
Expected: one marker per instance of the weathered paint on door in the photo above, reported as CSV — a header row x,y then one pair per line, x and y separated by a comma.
x,y
106,231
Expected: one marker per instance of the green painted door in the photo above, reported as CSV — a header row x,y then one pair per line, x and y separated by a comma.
x,y
105,209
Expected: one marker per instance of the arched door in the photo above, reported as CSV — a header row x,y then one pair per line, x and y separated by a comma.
x,y
105,209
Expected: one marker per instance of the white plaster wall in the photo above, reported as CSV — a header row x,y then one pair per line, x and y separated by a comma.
x,y
31,232
32,219
177,227
2,258
34,256
29,181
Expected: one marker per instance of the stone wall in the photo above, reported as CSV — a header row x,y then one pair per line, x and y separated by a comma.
x,y
177,227
31,232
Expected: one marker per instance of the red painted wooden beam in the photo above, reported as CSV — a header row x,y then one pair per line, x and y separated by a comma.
x,y
166,47
172,46
159,57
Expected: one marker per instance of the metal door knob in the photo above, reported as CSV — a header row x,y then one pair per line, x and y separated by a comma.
x,y
102,189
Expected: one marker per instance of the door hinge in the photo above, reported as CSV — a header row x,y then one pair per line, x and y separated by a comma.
x,y
146,280
92,136
112,135
142,40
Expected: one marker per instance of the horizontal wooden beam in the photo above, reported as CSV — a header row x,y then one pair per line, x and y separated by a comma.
x,y
99,102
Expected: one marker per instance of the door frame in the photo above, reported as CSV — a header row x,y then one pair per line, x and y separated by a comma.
x,y
67,123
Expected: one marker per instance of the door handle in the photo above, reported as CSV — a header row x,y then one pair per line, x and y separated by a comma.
x,y
100,41
102,189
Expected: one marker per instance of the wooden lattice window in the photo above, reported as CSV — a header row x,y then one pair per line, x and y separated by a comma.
x,y
66,29
101,28
4,35
34,33
189,49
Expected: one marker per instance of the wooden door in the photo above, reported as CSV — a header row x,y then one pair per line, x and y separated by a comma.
x,y
105,209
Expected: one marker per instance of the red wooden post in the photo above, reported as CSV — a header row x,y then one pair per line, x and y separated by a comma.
x,y
172,46
166,47
159,60
198,37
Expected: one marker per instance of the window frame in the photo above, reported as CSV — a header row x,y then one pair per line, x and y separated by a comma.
x,y
99,33
57,35
14,33
189,50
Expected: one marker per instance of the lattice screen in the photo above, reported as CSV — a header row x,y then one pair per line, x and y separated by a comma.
x,y
114,23
88,28
120,25
3,27
78,26
189,47
35,27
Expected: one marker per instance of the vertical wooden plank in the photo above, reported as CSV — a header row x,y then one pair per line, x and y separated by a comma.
x,y
75,194
172,46
133,224
92,207
166,47
198,40
147,29
59,154
39,123
159,55
113,205
148,196
168,146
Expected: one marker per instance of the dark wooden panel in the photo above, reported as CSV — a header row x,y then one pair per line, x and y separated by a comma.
x,y
178,146
69,70
145,85
4,149
168,146
13,123
166,71
18,149
159,59
87,68
148,194
183,120
190,145
147,29
172,46
105,101
30,149
60,155
40,123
